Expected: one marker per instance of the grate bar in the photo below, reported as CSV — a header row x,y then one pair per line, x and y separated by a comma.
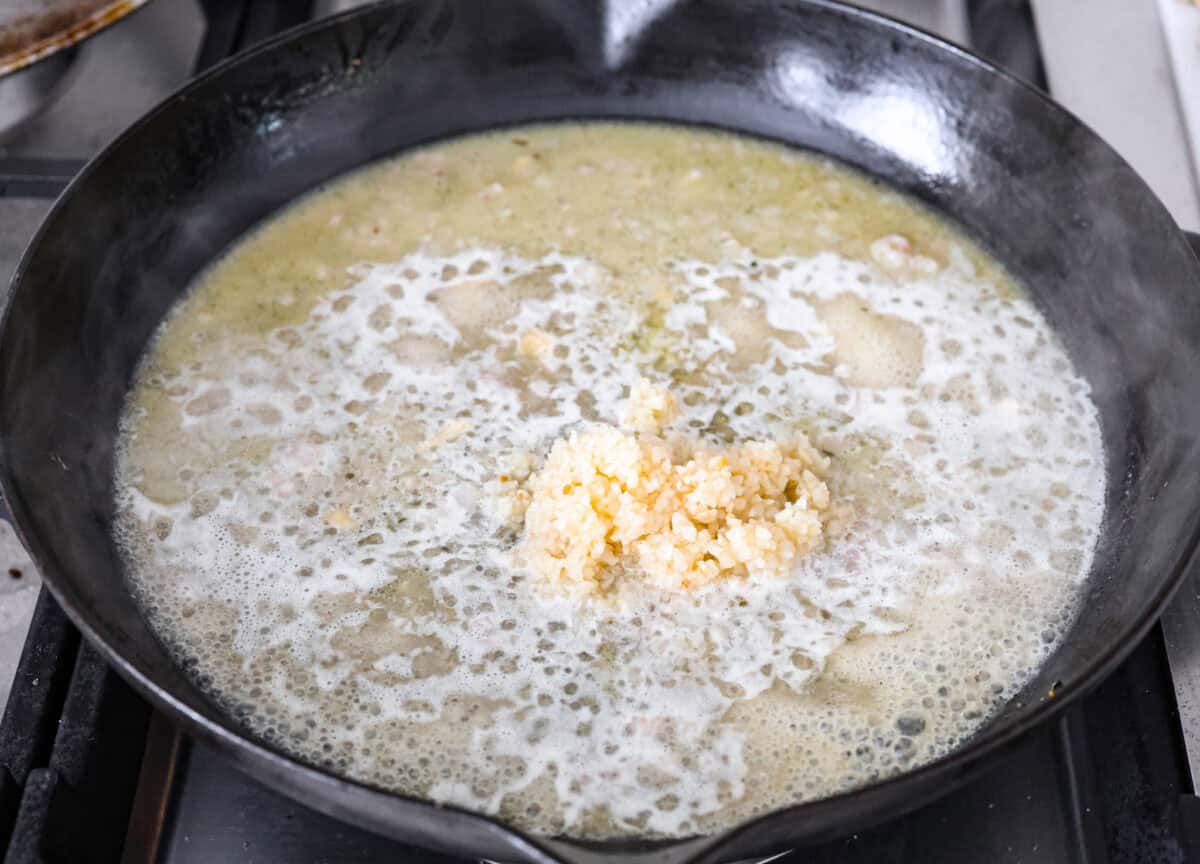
x,y
36,178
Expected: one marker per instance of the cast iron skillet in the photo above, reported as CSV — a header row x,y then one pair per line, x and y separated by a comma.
x,y
1103,259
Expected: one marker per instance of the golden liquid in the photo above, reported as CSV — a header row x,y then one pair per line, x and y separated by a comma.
x,y
302,535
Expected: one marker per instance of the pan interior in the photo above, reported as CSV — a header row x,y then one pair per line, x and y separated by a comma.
x,y
325,445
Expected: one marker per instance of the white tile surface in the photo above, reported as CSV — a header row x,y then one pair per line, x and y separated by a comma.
x,y
1106,60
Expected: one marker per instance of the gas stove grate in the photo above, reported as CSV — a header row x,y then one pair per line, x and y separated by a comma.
x,y
71,745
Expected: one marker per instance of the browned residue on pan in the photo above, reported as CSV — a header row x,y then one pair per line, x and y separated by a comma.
x,y
73,32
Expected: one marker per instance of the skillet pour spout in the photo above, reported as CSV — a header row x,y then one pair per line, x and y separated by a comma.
x,y
1099,254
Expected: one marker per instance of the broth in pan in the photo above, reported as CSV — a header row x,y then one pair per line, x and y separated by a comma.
x,y
614,479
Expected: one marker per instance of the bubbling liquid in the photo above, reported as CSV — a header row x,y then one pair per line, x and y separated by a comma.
x,y
319,435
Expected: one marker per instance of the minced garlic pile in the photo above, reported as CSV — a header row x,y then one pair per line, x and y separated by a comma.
x,y
677,513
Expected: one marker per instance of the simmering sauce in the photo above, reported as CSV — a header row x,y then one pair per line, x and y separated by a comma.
x,y
316,456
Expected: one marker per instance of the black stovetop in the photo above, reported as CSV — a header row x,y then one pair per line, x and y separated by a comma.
x,y
91,773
